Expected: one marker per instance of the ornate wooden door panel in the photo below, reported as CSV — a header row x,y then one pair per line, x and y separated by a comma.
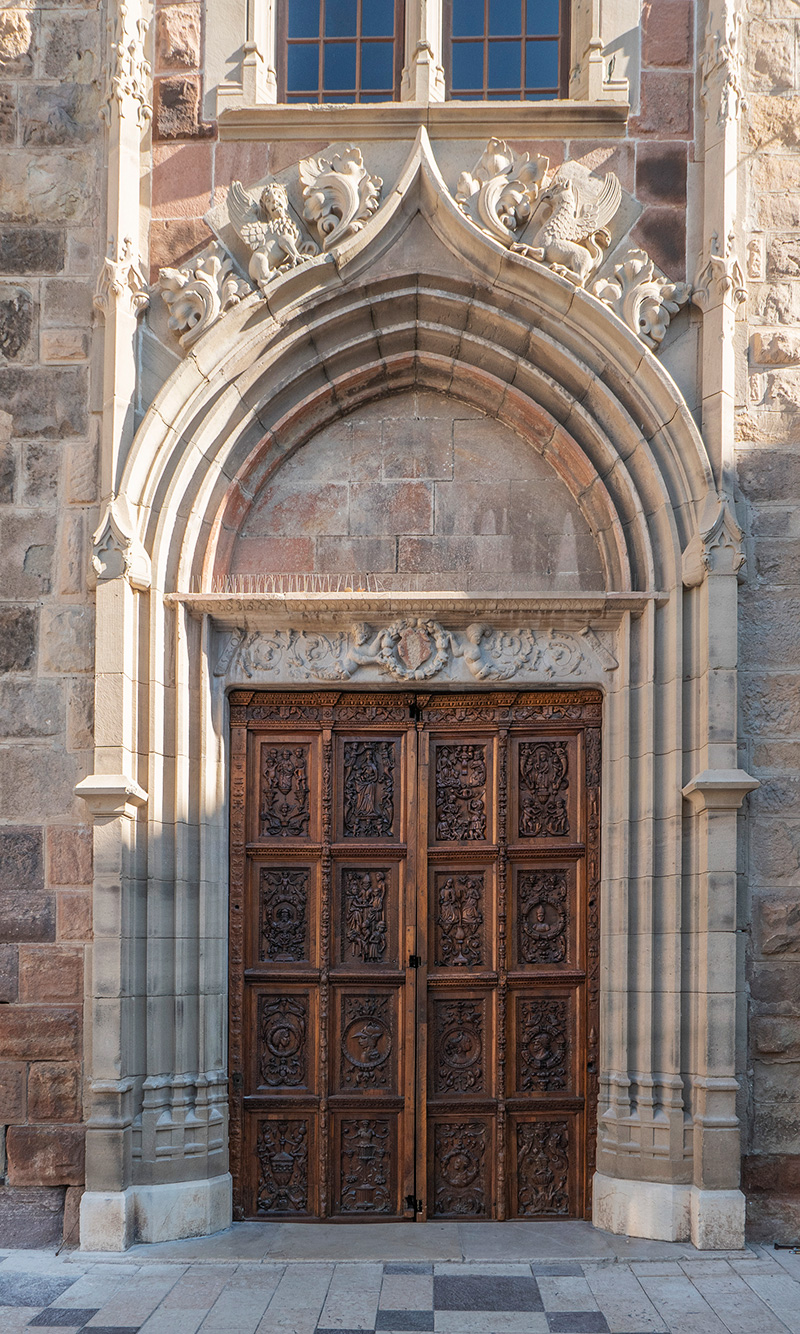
x,y
413,954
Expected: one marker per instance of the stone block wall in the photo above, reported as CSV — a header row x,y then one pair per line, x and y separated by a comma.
x,y
768,452
51,242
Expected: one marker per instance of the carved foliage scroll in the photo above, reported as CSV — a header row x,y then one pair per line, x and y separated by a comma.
x,y
542,1168
460,793
366,1166
284,808
282,1028
543,1040
364,920
459,919
460,1169
542,916
282,1151
543,775
339,193
283,914
366,1044
368,789
459,1046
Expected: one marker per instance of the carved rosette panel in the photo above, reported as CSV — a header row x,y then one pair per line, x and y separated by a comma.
x,y
283,914
282,1151
543,1044
460,1187
543,788
459,1046
366,1043
365,928
368,789
542,916
284,805
282,1028
460,793
460,902
366,1166
542,1168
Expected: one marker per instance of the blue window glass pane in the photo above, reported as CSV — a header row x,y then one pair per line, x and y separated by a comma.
x,y
304,18
505,64
377,18
377,65
467,65
302,73
341,18
467,18
340,66
505,18
541,65
543,17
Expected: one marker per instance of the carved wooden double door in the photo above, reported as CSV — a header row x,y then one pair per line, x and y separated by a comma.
x,y
414,954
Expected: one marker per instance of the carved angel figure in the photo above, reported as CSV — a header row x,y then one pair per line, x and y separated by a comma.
x,y
340,194
573,235
268,230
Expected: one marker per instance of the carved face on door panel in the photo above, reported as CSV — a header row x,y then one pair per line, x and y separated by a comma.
x,y
543,916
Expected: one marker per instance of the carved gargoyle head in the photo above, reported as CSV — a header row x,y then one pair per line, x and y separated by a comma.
x,y
274,201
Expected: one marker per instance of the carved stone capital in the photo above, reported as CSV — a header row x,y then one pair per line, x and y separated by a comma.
x,y
117,551
197,294
121,282
719,789
111,796
717,546
129,71
721,279
643,298
340,195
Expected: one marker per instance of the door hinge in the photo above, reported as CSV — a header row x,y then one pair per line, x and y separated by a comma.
x,y
414,960
413,1204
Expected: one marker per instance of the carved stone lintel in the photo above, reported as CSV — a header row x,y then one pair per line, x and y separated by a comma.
x,y
269,231
721,280
197,294
501,190
721,65
129,78
340,195
121,281
117,551
717,546
642,298
415,649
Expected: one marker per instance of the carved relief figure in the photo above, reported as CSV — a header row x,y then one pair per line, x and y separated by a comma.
x,y
284,811
542,916
366,1167
459,938
460,793
268,229
573,235
368,789
282,1033
364,909
283,915
543,789
542,1168
459,1169
282,1151
366,1042
543,1042
459,1046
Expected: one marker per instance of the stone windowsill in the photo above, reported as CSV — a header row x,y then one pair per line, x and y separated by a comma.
x,y
401,120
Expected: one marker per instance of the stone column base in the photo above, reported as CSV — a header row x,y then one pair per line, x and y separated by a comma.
x,y
713,1220
114,1220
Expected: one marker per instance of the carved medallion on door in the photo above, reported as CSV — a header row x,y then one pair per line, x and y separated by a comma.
x,y
414,954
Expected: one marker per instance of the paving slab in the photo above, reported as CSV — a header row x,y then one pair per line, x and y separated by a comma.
x,y
532,1241
367,1241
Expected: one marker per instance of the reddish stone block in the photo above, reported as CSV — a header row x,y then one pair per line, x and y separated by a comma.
x,y
173,241
9,972
378,509
666,106
31,1216
237,161
40,1033
54,1092
45,1155
178,36
51,973
667,32
177,109
69,855
602,157
661,173
662,233
72,1216
181,180
12,1093
273,555
74,915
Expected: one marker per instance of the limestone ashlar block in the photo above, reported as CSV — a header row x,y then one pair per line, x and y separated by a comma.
x,y
54,1091
667,31
32,250
777,922
47,403
19,626
62,113
18,324
783,254
70,45
8,113
51,973
774,122
12,1092
63,346
31,708
40,1033
42,1155
61,189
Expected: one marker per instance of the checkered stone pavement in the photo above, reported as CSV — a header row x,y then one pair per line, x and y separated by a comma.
x,y
755,1290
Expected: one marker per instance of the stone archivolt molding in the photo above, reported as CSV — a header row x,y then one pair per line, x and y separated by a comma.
x,y
129,75
121,282
559,220
414,649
